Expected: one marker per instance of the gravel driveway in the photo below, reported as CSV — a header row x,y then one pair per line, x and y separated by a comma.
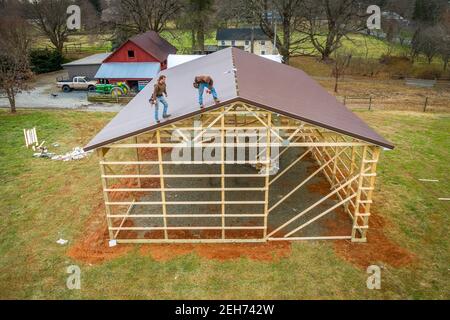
x,y
45,94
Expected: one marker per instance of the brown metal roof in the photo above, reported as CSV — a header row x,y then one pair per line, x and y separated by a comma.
x,y
154,45
292,92
239,76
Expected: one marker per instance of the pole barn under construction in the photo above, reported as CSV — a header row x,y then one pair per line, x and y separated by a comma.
x,y
244,170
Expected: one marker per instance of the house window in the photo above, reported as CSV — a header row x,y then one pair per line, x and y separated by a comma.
x,y
131,54
263,43
247,42
233,43
263,52
223,43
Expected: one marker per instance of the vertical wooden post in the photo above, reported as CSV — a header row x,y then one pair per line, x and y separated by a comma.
x,y
222,157
267,181
138,166
352,171
101,155
370,102
425,105
335,163
161,179
370,188
358,195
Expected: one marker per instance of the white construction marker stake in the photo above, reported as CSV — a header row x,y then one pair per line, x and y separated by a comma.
x,y
444,199
428,180
112,243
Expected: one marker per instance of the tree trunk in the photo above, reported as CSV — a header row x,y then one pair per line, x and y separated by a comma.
x,y
201,38
336,77
12,100
286,40
59,47
194,42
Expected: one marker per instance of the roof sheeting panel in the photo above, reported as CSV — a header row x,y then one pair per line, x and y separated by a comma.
x,y
292,92
138,115
176,59
124,70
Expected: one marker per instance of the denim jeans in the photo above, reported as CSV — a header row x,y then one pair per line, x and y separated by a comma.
x,y
201,89
163,101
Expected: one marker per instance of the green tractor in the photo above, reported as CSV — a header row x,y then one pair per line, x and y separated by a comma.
x,y
115,90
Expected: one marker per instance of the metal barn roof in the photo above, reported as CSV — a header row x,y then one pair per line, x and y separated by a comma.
x,y
288,91
154,44
240,34
90,60
126,70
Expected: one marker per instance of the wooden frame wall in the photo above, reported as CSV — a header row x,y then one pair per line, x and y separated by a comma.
x,y
348,164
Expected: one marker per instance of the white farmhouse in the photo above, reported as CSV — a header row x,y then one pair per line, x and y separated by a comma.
x,y
242,38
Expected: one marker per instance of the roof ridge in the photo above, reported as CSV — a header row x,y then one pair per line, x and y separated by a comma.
x,y
234,71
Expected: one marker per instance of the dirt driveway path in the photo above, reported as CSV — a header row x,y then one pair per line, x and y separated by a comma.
x,y
45,94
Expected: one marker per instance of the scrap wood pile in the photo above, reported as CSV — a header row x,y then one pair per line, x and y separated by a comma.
x,y
76,154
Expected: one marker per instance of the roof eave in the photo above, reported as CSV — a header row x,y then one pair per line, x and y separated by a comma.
x,y
237,99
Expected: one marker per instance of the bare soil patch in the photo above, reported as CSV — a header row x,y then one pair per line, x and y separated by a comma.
x,y
379,248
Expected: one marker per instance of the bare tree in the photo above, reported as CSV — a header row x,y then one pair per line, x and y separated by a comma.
x,y
427,41
198,16
329,21
286,14
444,49
50,17
232,12
341,63
138,16
14,66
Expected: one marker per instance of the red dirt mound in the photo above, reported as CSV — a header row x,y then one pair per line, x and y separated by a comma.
x,y
379,248
93,248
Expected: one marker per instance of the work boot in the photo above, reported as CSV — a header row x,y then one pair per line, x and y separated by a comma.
x,y
158,121
166,116
202,106
217,101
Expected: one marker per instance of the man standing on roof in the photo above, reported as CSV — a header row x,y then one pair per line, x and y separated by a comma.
x,y
158,97
205,82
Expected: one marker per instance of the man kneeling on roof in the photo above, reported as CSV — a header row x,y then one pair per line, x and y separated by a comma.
x,y
158,97
205,82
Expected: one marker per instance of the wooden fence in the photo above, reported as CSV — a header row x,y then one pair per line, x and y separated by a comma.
x,y
108,98
407,103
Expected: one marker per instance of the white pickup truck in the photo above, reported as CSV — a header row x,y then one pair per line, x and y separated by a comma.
x,y
77,83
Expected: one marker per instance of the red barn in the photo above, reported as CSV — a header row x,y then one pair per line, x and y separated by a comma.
x,y
137,61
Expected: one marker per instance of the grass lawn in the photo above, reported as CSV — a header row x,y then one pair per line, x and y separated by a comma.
x,y
43,200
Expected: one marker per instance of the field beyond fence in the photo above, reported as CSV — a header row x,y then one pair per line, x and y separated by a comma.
x,y
406,103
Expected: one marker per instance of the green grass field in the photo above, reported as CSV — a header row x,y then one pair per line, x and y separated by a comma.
x,y
42,200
